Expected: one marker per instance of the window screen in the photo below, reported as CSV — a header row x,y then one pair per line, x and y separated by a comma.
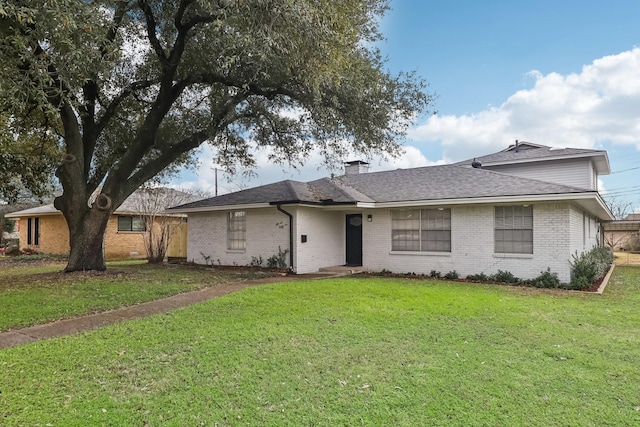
x,y
514,229
427,230
236,231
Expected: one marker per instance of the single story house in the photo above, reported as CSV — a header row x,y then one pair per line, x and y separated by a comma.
x,y
44,229
624,234
530,208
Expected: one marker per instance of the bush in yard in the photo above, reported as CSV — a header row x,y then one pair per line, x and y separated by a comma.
x,y
256,261
504,277
434,274
578,284
452,275
479,277
589,266
279,260
546,279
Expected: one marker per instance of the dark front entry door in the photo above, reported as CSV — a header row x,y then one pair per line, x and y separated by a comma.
x,y
354,239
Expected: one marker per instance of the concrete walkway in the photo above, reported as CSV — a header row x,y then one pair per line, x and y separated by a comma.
x,y
84,323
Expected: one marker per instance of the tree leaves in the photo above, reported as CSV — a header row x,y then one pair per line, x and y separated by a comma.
x,y
134,87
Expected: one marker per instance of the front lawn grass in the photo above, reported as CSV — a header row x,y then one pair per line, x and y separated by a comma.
x,y
34,294
346,351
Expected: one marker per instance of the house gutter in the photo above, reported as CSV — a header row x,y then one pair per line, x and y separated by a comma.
x,y
279,207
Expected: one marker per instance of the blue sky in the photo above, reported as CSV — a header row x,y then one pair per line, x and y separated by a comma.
x,y
563,73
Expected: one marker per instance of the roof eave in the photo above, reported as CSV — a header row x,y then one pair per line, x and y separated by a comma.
x,y
24,214
311,203
590,201
219,208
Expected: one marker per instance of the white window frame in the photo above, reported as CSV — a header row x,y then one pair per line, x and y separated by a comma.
x,y
421,230
237,231
513,229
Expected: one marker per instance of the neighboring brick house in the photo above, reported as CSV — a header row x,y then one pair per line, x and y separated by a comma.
x,y
464,217
43,229
623,235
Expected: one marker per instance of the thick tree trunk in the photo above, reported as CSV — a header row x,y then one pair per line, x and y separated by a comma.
x,y
86,238
87,245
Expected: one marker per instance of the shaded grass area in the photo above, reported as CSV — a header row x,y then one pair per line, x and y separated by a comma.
x,y
350,351
36,293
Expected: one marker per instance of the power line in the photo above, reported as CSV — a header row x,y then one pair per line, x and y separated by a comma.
x,y
625,188
622,195
625,170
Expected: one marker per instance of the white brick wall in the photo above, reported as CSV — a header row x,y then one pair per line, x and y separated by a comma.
x,y
558,232
325,246
266,229
472,245
584,231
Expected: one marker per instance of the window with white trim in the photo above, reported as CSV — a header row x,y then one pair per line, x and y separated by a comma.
x,y
514,229
424,230
236,231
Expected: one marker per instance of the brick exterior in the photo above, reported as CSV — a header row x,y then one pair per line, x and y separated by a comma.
x,y
559,230
325,245
207,237
266,230
472,243
122,244
54,238
54,235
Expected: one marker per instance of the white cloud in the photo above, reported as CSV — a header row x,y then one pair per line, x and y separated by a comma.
x,y
267,172
599,104
313,166
412,157
601,189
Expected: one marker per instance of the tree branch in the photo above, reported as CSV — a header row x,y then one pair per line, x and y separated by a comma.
x,y
155,166
180,13
91,91
251,88
111,109
151,32
118,16
158,164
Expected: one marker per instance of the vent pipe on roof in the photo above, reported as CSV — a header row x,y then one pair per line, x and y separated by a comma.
x,y
476,164
356,167
517,146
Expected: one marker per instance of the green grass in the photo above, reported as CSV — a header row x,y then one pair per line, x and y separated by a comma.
x,y
349,351
35,294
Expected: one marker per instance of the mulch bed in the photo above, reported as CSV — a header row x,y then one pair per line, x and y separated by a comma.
x,y
593,288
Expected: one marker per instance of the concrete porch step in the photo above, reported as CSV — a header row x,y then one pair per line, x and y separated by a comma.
x,y
343,269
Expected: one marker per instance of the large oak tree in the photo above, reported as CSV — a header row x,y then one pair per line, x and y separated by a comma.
x,y
135,86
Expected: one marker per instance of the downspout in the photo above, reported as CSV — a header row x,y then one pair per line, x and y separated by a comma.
x,y
290,234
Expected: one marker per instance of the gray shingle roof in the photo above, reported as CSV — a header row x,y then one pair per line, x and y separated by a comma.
x,y
277,192
447,182
542,152
426,183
